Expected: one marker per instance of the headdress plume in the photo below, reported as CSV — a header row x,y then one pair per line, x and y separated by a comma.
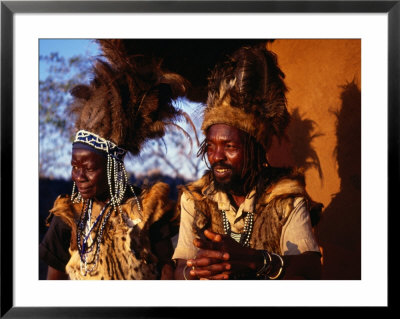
x,y
129,100
247,91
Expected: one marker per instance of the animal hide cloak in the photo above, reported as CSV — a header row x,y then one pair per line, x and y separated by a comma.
x,y
125,251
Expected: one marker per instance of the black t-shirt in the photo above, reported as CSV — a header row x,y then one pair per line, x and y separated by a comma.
x,y
53,249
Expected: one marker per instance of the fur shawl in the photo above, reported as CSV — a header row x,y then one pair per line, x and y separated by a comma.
x,y
272,210
125,251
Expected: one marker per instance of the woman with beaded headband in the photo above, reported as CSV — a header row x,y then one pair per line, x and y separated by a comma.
x,y
107,228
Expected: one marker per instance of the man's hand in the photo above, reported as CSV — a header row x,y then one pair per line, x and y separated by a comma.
x,y
219,256
210,261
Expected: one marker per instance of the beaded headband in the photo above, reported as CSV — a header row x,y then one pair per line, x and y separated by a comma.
x,y
100,143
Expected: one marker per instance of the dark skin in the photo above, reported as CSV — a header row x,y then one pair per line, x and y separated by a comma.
x,y
89,172
219,256
225,153
54,274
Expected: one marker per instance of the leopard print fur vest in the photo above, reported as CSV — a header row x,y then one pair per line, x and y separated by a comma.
x,y
125,251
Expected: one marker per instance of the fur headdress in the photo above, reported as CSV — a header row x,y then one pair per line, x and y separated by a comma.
x,y
248,92
129,99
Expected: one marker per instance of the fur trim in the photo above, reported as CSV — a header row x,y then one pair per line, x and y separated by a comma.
x,y
271,212
125,252
156,201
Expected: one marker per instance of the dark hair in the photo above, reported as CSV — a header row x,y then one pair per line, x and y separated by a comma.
x,y
253,171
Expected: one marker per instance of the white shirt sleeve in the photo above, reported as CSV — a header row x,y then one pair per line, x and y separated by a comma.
x,y
297,236
185,248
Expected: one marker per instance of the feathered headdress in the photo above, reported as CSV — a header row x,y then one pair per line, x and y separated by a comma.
x,y
128,101
248,92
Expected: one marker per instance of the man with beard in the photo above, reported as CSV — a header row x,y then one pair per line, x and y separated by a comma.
x,y
245,219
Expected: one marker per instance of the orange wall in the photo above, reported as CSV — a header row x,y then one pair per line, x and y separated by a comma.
x,y
315,72
324,98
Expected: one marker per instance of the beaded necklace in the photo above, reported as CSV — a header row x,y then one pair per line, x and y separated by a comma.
x,y
247,230
84,232
85,228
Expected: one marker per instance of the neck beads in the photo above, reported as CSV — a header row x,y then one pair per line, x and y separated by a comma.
x,y
247,230
90,236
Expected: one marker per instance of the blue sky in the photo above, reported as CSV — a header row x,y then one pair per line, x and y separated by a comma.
x,y
67,48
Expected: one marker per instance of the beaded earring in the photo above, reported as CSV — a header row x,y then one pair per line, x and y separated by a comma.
x,y
76,197
118,182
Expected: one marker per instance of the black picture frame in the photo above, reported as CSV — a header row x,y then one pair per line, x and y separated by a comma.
x,y
9,8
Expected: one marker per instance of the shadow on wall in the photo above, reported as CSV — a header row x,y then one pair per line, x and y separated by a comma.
x,y
339,230
301,132
295,149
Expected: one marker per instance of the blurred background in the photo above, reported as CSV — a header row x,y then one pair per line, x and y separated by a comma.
x,y
323,138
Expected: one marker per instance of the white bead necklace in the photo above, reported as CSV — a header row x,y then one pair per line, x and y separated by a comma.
x,y
120,185
247,230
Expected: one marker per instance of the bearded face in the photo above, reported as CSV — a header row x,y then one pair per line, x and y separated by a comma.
x,y
225,153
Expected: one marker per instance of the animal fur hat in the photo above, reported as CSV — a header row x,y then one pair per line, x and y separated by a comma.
x,y
247,91
129,100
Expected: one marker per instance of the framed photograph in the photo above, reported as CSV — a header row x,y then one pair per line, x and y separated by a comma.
x,y
350,46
